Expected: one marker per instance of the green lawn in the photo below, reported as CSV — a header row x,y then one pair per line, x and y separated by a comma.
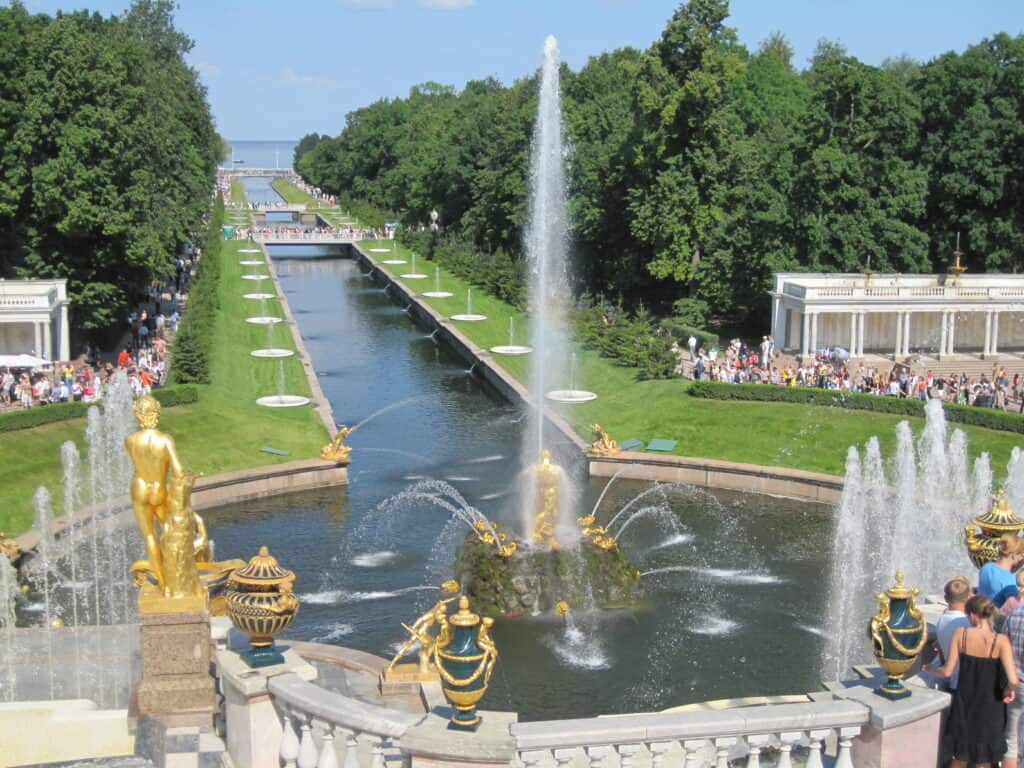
x,y
223,431
775,434
295,196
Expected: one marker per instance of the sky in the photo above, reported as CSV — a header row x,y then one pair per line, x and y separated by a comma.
x,y
276,71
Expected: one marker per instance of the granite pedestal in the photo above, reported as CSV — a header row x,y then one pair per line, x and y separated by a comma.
x,y
177,685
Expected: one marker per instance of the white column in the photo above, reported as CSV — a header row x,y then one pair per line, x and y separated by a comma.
x,y
861,323
814,333
805,338
906,333
994,347
38,349
776,331
988,333
853,334
65,333
943,330
47,345
899,336
952,333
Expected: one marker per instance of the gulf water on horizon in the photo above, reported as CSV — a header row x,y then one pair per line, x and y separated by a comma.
x,y
260,154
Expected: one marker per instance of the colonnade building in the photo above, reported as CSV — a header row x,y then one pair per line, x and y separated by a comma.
x,y
894,315
34,318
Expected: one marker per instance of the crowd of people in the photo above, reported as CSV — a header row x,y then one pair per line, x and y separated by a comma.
x,y
828,369
144,360
979,650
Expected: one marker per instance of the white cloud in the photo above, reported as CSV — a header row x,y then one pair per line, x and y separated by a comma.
x,y
445,5
289,76
368,5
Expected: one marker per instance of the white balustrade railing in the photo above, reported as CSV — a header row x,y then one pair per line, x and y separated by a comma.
x,y
323,729
781,732
921,293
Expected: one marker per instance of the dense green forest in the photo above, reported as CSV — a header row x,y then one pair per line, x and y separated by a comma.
x,y
107,152
700,167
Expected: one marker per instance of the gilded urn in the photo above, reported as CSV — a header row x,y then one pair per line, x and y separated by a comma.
x,y
998,521
261,604
898,633
464,656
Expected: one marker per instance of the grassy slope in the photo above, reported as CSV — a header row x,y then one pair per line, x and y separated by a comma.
x,y
223,431
776,434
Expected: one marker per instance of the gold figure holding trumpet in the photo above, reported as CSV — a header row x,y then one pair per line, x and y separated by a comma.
x,y
397,675
336,450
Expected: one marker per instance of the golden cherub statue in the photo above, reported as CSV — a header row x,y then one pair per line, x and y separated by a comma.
x,y
336,450
603,444
420,632
549,476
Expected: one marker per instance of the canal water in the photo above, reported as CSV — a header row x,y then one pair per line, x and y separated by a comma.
x,y
735,594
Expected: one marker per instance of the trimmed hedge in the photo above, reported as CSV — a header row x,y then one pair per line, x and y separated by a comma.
x,y
27,418
190,353
989,418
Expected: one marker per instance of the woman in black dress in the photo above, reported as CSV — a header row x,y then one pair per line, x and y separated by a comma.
x,y
975,730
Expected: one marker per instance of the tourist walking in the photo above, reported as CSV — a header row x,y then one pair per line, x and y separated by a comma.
x,y
692,344
976,728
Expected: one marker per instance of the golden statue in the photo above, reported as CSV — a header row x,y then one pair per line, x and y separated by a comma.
x,y
336,450
549,475
603,444
562,609
420,632
178,566
153,454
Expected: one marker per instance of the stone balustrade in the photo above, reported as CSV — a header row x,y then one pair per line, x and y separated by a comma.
x,y
281,716
788,732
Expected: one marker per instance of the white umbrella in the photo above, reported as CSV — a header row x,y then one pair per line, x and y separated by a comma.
x,y
24,361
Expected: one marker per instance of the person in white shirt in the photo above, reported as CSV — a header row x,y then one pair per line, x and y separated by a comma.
x,y
957,591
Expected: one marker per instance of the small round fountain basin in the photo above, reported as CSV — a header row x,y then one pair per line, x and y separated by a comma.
x,y
259,296
511,349
570,396
264,320
465,318
249,250
438,294
282,401
272,352
394,261
255,277
413,276
380,250
252,262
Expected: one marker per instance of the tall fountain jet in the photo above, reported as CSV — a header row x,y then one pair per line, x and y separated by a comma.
x,y
547,245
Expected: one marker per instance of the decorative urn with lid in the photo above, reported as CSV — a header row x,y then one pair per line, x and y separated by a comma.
x,y
464,655
261,604
898,633
994,524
